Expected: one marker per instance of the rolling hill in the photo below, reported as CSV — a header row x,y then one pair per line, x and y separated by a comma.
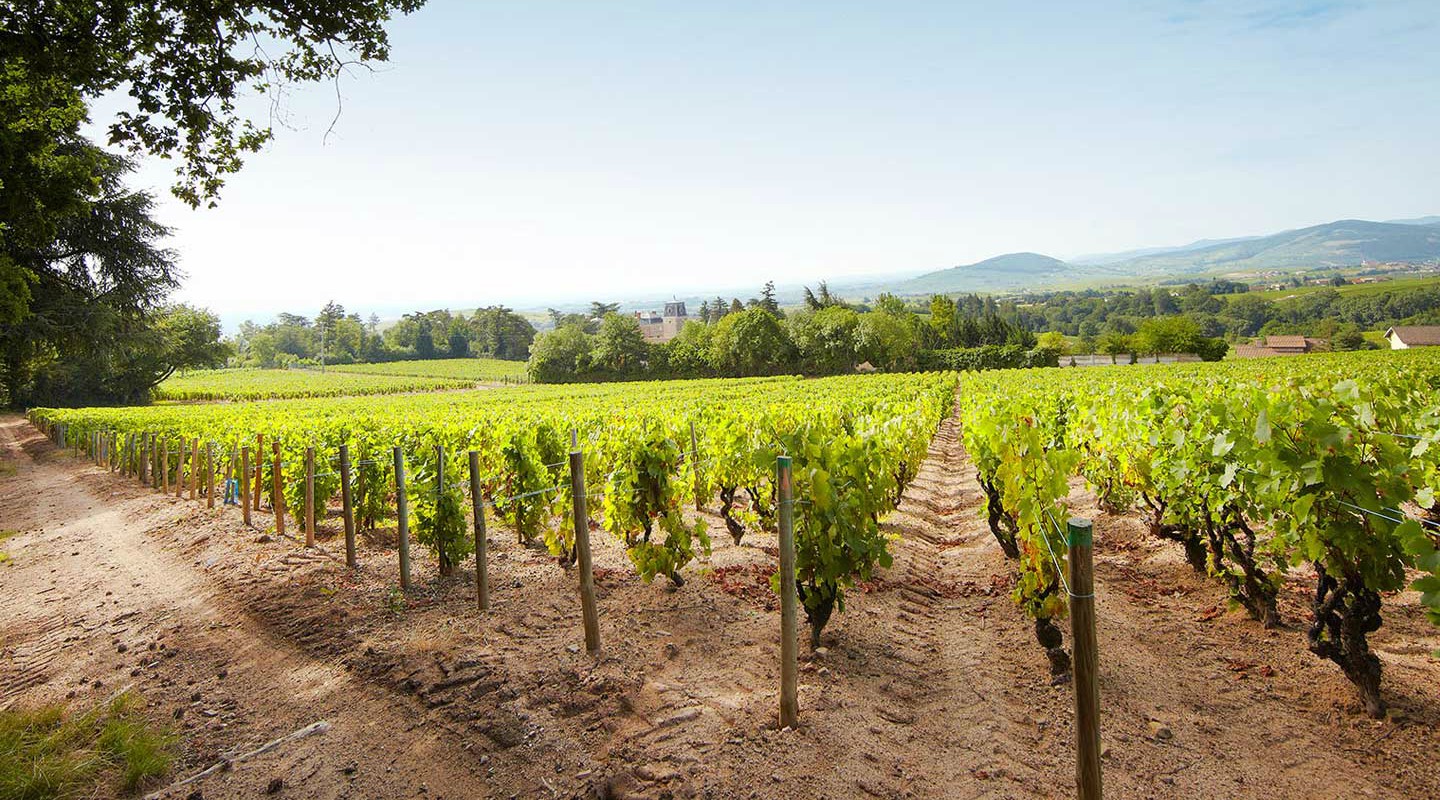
x,y
1010,271
1334,244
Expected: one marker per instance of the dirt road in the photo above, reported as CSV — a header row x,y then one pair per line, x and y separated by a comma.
x,y
930,685
95,604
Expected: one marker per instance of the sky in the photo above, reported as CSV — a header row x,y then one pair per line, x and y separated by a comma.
x,y
533,153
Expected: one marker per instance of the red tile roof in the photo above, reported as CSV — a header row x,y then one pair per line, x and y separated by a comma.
x,y
1286,342
1254,351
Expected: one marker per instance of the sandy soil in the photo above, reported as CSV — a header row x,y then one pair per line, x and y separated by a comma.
x,y
931,683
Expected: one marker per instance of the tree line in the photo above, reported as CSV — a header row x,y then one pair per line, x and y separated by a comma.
x,y
826,336
337,337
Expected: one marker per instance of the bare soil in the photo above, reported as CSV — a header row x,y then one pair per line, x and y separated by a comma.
x,y
930,684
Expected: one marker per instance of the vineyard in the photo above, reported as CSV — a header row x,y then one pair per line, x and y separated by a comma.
x,y
266,384
1329,464
1265,480
650,450
478,370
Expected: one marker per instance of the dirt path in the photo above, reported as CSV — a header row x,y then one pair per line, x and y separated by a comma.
x,y
96,606
930,683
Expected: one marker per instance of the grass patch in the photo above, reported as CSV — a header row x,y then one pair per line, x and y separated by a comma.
x,y
4,556
49,752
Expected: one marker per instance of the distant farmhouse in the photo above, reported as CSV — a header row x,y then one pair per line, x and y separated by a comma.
x,y
1279,346
1404,337
664,326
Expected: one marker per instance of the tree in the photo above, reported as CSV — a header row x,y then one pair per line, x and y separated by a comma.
x,y
825,340
620,345
767,299
1053,340
1113,343
942,321
501,333
689,354
80,256
560,355
1349,337
887,340
750,343
183,63
600,310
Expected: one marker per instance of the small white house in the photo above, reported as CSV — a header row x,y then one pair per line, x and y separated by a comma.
x,y
1404,337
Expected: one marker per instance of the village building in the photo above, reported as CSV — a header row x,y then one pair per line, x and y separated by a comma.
x,y
1404,337
1278,346
665,325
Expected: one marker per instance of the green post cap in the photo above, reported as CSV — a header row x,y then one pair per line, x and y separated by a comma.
x,y
1079,533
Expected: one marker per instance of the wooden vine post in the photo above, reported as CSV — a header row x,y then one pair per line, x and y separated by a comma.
x,y
402,519
180,470
482,577
209,474
194,467
277,500
695,467
582,550
259,477
143,457
789,645
347,506
309,497
446,568
1080,537
245,485
164,465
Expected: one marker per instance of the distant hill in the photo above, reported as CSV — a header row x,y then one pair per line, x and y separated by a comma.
x,y
1115,258
1010,271
1335,244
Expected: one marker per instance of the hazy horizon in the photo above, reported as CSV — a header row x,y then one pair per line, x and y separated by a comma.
x,y
564,151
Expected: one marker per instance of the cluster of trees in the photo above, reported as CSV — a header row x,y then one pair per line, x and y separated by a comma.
x,y
827,336
336,337
1097,317
84,276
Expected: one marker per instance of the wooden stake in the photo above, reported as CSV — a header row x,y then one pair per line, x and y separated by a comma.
x,y
245,485
209,474
402,519
695,467
259,479
789,657
309,497
347,505
194,467
582,550
277,500
1082,632
180,470
482,577
164,465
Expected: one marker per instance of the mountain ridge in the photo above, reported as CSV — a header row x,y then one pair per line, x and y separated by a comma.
x,y
1341,243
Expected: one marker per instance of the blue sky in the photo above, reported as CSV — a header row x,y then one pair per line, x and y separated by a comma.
x,y
525,152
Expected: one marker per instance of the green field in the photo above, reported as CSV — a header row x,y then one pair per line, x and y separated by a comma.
x,y
1349,290
266,384
469,369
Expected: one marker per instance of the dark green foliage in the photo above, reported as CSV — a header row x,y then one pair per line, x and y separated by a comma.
x,y
988,357
183,64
